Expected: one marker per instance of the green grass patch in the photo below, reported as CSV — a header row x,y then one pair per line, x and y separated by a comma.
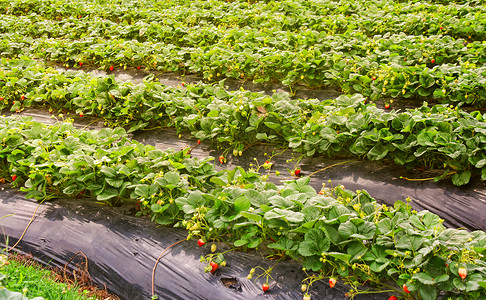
x,y
32,281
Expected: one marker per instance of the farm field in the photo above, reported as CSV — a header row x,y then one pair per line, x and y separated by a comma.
x,y
382,58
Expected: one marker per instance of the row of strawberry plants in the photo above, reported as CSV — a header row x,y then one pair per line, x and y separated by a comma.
x,y
176,30
245,54
335,233
382,16
407,48
105,164
381,75
436,137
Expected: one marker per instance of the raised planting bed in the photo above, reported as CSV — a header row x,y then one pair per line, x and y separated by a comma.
x,y
334,233
438,136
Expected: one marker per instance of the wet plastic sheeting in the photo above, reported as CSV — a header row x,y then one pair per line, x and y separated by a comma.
x,y
122,250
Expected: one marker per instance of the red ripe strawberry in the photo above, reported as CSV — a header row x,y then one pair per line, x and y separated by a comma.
x,y
405,289
80,64
81,115
112,68
373,78
462,273
387,106
297,172
265,287
432,61
221,159
441,28
200,242
332,282
392,298
22,97
14,177
138,67
198,142
214,266
1,98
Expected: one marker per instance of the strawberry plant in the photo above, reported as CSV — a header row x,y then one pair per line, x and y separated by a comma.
x,y
214,261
